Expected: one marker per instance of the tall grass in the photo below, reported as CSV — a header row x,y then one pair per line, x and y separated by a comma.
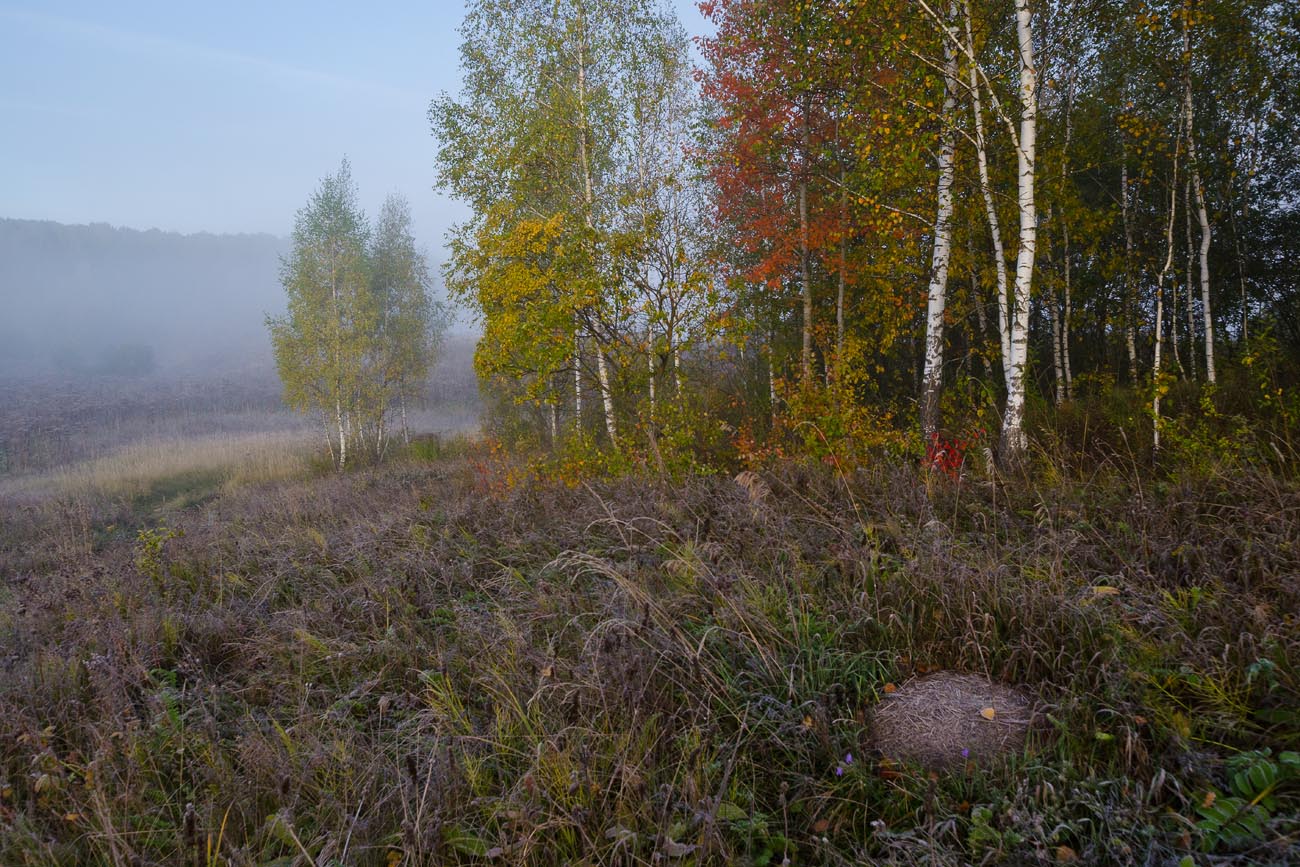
x,y
139,469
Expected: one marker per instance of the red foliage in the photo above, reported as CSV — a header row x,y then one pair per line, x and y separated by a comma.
x,y
948,456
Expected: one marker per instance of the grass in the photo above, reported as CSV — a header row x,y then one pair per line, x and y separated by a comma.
x,y
420,664
173,472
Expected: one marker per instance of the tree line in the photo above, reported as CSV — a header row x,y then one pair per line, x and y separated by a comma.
x,y
869,215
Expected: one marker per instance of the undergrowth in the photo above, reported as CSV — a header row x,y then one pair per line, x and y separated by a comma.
x,y
454,661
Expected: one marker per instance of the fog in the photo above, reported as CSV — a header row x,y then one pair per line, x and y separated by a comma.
x,y
114,337
96,299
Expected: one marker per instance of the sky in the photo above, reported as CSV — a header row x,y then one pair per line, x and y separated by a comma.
x,y
222,117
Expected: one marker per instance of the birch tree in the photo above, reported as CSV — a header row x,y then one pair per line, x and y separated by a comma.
x,y
1202,214
361,329
932,378
321,341
410,323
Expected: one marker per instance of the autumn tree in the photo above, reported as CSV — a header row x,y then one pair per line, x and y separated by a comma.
x,y
549,143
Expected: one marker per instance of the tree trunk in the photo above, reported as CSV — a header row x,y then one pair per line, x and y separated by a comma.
x,y
1068,383
932,379
1241,272
805,358
1173,323
650,359
1130,285
1052,311
1204,218
606,397
990,209
1014,442
1065,318
839,294
1201,213
1191,318
977,302
771,373
1160,298
343,437
577,376
406,431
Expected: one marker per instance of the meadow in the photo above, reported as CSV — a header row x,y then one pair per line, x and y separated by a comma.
x,y
457,657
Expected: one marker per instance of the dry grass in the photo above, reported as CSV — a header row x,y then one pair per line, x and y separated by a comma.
x,y
136,470
946,720
421,664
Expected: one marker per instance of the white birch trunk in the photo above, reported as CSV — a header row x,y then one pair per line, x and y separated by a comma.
x,y
990,210
932,378
1065,318
1173,323
977,302
650,359
343,436
805,357
329,439
606,396
771,374
1203,216
1201,213
1058,366
677,372
1130,292
1014,442
1160,298
577,375
1191,306
406,431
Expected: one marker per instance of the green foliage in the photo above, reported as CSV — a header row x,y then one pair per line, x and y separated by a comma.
x,y
1241,817
361,329
149,553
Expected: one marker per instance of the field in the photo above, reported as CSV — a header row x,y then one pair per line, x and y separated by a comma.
x,y
448,659
116,437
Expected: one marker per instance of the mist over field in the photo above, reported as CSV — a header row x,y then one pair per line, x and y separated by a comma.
x,y
108,300
117,339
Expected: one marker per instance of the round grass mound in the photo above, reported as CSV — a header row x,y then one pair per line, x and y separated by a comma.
x,y
942,721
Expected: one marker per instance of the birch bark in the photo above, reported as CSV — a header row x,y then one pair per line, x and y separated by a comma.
x,y
1014,441
1157,389
990,209
1202,213
932,379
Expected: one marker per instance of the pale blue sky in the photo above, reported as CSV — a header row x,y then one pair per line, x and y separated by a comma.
x,y
222,116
